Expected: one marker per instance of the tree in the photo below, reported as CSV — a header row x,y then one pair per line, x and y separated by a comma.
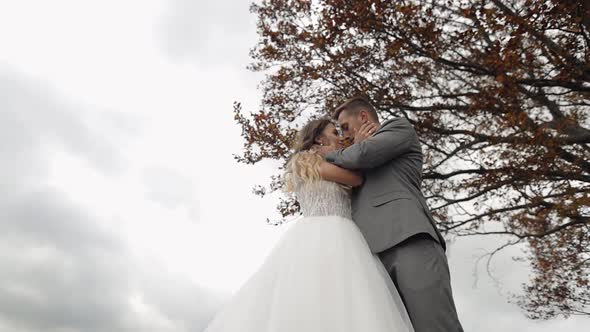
x,y
498,92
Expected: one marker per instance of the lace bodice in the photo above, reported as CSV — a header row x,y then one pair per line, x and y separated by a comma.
x,y
323,198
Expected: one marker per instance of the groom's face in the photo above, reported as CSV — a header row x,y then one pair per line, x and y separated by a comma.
x,y
349,123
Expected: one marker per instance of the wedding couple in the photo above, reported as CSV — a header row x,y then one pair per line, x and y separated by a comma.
x,y
366,256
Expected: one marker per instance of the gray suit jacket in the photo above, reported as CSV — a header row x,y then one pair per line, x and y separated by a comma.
x,y
389,207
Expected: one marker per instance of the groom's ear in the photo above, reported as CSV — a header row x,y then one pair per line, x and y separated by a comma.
x,y
364,116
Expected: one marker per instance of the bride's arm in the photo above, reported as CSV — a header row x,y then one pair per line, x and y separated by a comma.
x,y
331,172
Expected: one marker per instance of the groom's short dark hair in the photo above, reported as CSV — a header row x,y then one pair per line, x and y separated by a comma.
x,y
354,105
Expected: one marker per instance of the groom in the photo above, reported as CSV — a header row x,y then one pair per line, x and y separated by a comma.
x,y
392,213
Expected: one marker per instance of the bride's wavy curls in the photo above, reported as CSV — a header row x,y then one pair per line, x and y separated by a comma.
x,y
304,162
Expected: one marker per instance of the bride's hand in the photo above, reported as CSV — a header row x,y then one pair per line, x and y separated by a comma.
x,y
322,149
365,131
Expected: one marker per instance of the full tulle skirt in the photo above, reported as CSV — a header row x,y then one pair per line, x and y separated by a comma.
x,y
319,277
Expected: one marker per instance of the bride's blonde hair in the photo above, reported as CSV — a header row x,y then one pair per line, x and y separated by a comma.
x,y
304,163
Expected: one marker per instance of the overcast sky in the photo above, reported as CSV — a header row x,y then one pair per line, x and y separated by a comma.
x,y
121,206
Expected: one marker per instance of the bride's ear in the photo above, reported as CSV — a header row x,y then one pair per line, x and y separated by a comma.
x,y
319,140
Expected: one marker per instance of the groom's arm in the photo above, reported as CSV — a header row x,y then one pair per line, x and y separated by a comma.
x,y
391,141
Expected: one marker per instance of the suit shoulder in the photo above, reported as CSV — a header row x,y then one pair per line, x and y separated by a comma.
x,y
398,121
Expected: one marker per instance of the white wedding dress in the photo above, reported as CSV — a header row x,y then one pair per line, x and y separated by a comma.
x,y
319,277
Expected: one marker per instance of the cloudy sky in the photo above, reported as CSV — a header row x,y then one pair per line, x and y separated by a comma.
x,y
121,206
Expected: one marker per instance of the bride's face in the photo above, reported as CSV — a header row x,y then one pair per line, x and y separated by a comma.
x,y
331,138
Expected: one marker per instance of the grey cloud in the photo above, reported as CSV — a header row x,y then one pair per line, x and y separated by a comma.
x,y
48,219
51,272
180,300
33,116
60,269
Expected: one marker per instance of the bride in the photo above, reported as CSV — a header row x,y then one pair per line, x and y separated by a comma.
x,y
321,275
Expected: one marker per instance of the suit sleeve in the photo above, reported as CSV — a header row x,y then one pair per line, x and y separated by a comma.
x,y
392,140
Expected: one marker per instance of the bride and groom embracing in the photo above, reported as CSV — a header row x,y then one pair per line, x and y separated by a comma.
x,y
366,255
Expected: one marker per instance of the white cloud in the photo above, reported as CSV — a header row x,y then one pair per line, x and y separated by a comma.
x,y
208,32
171,189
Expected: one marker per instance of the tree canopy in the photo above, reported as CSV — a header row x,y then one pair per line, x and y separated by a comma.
x,y
498,92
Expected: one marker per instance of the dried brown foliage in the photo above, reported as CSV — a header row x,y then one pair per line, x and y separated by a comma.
x,y
498,91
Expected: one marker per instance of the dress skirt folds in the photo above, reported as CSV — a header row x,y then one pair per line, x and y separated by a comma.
x,y
319,277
